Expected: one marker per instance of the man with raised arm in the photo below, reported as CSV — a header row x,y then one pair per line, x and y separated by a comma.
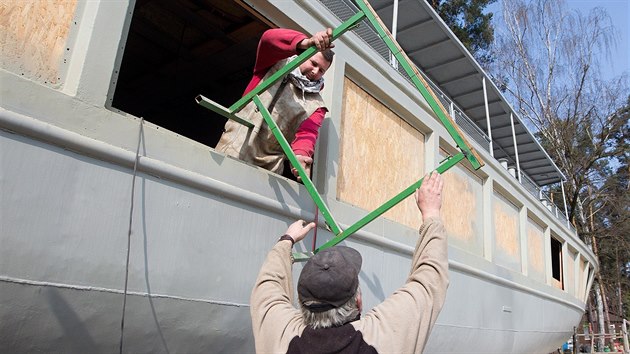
x,y
295,102
329,319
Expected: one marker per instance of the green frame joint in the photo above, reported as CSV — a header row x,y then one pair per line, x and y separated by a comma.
x,y
217,108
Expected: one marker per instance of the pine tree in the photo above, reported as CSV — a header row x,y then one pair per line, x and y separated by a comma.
x,y
467,20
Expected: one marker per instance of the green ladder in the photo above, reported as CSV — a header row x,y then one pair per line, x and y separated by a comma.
x,y
365,13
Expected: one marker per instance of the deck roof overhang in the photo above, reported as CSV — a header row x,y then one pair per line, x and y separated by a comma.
x,y
437,52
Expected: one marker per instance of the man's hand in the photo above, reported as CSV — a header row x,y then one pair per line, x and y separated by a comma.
x,y
429,196
306,163
299,229
322,40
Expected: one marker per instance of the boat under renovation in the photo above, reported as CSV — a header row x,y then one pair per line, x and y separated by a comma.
x,y
115,205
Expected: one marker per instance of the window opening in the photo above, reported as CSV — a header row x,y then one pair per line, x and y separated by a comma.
x,y
177,49
556,261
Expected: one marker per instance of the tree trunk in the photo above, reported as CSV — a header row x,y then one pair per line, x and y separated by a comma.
x,y
602,294
600,318
598,292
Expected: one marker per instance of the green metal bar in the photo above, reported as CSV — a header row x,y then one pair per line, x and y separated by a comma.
x,y
217,108
349,24
452,161
310,187
365,12
418,82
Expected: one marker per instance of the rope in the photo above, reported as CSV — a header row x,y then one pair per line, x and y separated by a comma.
x,y
133,187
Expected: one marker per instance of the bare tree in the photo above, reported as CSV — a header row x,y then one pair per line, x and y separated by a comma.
x,y
548,65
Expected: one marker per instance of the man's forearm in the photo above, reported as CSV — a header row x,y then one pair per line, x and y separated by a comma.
x,y
430,259
307,133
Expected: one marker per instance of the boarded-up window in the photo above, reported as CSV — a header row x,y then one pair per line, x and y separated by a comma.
x,y
461,209
34,35
535,250
506,233
380,155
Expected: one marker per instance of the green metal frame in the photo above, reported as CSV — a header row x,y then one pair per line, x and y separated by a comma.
x,y
310,187
366,12
304,256
419,83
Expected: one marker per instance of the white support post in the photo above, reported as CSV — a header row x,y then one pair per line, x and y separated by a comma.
x,y
564,200
485,99
392,59
564,259
518,164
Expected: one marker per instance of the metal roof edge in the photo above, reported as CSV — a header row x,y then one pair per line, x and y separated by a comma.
x,y
436,17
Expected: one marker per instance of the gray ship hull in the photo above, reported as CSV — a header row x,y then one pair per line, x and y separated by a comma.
x,y
196,246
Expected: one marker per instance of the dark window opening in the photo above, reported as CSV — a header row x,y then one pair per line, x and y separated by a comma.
x,y
556,260
177,49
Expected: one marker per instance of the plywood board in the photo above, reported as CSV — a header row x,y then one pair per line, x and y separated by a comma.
x,y
380,155
536,250
33,35
506,227
461,209
556,283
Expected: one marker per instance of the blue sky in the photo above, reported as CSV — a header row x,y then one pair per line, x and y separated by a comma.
x,y
619,12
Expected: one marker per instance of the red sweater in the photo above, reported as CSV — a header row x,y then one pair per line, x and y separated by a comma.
x,y
275,45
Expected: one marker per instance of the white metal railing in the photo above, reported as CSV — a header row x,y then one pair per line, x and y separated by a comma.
x,y
537,192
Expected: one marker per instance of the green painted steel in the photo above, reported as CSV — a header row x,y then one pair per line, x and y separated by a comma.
x,y
408,66
217,108
347,25
365,12
450,162
310,187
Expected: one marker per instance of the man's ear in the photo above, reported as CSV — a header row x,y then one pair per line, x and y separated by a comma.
x,y
360,303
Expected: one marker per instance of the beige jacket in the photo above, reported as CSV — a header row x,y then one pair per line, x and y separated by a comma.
x,y
258,145
400,324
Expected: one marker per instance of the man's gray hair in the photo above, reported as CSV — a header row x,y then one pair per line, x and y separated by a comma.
x,y
334,317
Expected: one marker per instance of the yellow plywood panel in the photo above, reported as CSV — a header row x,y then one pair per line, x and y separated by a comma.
x,y
380,155
33,35
506,227
535,247
459,203
556,283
